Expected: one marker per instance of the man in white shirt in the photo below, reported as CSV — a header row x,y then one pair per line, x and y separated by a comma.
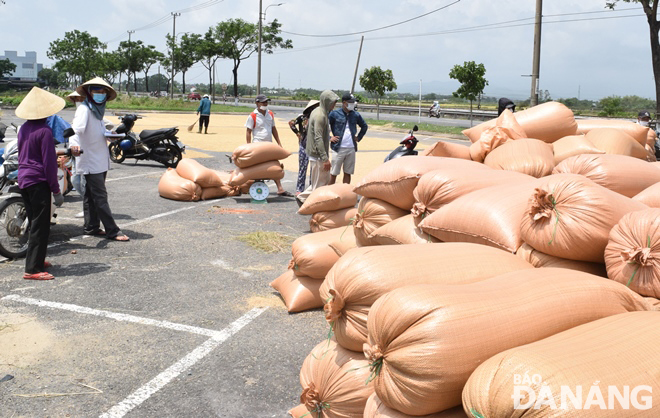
x,y
260,127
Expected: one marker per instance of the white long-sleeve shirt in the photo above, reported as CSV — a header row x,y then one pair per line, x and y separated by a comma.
x,y
90,137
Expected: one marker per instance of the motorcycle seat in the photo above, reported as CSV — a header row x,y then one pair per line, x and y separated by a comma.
x,y
150,133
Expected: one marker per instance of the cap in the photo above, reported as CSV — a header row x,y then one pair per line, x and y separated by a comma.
x,y
261,98
643,114
206,95
348,97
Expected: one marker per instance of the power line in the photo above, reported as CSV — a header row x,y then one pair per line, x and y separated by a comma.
x,y
376,29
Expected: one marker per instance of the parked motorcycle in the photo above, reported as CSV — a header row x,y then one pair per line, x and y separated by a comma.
x,y
14,225
160,145
407,146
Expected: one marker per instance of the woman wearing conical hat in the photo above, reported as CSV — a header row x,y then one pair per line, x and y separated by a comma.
x,y
95,162
37,175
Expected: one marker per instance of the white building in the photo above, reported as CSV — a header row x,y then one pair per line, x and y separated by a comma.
x,y
27,67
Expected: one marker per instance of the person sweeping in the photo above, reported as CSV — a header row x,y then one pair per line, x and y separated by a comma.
x,y
204,112
37,175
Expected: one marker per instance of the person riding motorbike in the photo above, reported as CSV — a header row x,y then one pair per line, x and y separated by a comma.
x,y
434,109
505,103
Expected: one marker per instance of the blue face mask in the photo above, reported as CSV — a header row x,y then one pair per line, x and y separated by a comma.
x,y
99,97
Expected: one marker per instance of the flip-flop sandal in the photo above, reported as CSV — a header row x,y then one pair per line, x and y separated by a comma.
x,y
38,276
97,233
120,238
285,194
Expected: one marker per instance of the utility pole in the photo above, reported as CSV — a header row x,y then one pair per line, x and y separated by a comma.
x,y
534,98
357,64
174,15
259,54
130,54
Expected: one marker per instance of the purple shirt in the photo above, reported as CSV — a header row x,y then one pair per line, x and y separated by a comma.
x,y
37,161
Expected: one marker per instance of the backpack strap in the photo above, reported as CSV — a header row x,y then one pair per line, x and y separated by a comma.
x,y
254,120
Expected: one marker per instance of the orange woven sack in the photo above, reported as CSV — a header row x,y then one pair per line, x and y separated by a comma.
x,y
651,138
488,216
300,293
172,186
395,180
439,187
625,175
254,153
376,409
604,365
570,216
371,215
312,255
539,259
650,154
649,196
322,221
638,132
527,156
192,170
506,129
426,340
327,198
447,149
333,381
401,231
216,192
614,141
547,122
345,242
364,274
271,170
572,145
632,255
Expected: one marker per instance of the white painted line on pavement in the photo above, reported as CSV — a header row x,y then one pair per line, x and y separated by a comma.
x,y
157,383
225,266
112,315
160,215
130,177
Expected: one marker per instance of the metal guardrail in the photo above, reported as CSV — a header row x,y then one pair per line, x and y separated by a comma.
x,y
398,110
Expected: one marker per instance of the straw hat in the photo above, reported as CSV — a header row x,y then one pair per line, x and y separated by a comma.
x,y
73,95
39,104
97,81
311,104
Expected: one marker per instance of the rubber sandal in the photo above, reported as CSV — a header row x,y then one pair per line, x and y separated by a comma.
x,y
97,233
38,276
120,238
285,194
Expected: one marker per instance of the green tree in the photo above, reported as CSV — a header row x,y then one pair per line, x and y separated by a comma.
x,y
133,53
239,39
208,50
6,67
53,78
376,82
76,54
650,8
149,56
611,106
472,79
187,54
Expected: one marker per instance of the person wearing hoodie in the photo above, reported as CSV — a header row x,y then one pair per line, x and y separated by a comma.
x,y
318,144
204,113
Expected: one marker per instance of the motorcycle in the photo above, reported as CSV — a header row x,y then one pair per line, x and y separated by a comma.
x,y
160,145
435,112
407,146
14,225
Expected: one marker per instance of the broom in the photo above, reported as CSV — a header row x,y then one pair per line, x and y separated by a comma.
x,y
191,127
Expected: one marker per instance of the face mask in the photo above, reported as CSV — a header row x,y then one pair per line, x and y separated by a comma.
x,y
99,97
350,106
643,123
264,108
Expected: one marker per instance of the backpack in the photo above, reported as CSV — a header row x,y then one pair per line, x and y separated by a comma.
x,y
254,117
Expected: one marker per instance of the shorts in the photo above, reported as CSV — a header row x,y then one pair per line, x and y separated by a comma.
x,y
345,157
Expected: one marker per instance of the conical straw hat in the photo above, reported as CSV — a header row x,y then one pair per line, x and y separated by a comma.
x,y
97,81
73,94
310,104
39,104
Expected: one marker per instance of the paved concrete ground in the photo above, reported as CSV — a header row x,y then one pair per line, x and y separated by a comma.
x,y
180,321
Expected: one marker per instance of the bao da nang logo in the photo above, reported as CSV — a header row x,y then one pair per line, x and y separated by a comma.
x,y
530,392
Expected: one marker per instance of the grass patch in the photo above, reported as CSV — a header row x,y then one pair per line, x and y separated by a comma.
x,y
266,241
423,127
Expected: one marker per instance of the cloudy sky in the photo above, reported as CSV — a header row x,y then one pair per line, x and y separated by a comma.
x,y
584,48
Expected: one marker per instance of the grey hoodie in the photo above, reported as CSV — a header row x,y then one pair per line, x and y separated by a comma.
x,y
318,129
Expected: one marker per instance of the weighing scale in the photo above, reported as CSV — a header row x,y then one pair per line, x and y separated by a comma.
x,y
259,192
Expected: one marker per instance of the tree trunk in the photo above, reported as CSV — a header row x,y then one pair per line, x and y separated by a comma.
x,y
134,81
377,109
119,82
470,113
655,59
235,73
146,81
184,83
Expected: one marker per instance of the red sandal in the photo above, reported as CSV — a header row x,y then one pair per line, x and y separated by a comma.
x,y
38,276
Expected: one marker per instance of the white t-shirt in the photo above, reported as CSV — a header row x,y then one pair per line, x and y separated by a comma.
x,y
347,139
262,131
90,137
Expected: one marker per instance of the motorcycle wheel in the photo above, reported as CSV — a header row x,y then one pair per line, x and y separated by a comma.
x,y
174,156
14,228
116,153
